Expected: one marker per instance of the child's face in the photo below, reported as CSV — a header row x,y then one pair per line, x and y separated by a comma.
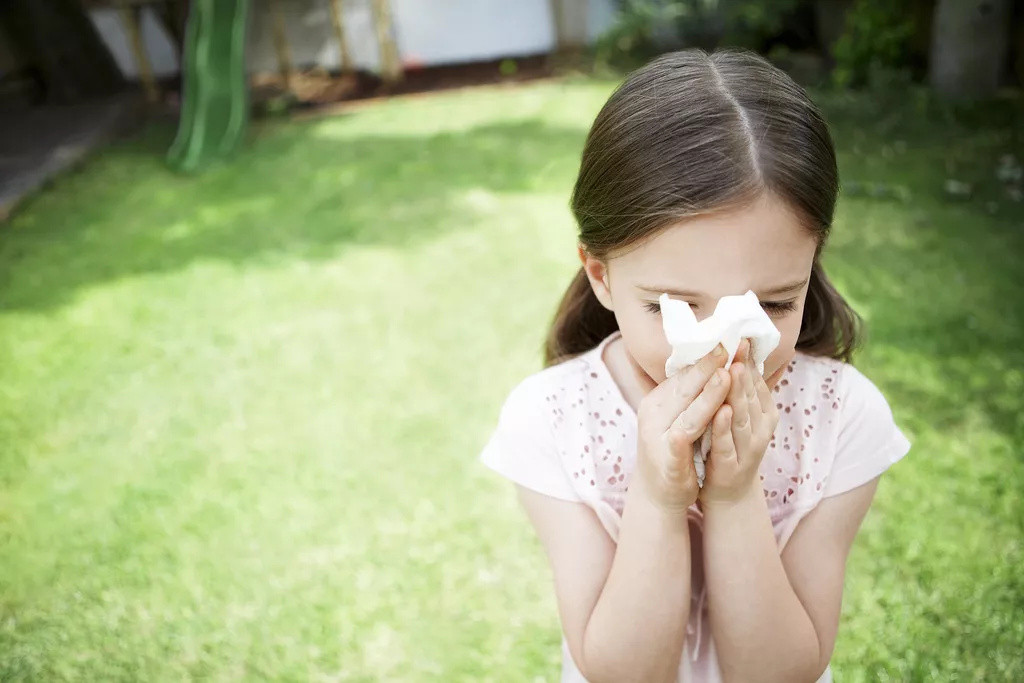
x,y
761,247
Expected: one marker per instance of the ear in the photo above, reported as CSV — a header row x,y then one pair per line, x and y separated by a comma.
x,y
597,273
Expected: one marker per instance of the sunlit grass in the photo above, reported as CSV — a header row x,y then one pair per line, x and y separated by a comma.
x,y
240,413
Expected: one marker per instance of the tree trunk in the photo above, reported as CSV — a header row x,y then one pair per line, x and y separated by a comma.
x,y
970,39
338,20
390,66
829,20
284,53
570,21
131,19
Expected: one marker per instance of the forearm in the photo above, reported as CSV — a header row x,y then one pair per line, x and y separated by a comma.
x,y
760,628
637,628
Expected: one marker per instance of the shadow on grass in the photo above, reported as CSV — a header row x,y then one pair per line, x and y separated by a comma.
x,y
299,191
295,191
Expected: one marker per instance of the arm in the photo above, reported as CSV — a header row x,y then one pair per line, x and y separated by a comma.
x,y
775,618
623,610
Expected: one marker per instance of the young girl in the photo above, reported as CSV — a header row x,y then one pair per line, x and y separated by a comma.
x,y
702,176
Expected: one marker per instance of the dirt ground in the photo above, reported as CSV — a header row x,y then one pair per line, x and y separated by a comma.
x,y
316,88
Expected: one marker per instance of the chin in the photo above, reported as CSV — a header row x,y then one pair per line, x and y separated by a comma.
x,y
773,378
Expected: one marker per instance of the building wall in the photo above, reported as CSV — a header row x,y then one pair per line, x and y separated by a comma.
x,y
429,32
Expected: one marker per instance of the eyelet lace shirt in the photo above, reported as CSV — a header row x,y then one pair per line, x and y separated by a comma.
x,y
566,431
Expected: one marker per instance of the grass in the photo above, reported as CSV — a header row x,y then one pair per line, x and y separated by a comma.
x,y
239,413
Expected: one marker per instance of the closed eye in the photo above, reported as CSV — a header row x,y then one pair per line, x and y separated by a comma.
x,y
774,307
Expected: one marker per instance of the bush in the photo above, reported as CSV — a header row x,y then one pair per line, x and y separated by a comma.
x,y
876,45
644,28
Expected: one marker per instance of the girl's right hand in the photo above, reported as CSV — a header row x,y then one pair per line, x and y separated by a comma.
x,y
670,419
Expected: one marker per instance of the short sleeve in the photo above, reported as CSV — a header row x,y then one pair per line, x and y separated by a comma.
x,y
522,447
868,442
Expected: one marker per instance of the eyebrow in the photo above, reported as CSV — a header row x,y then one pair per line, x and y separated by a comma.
x,y
682,292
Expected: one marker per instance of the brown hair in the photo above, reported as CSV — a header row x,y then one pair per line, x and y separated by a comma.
x,y
692,133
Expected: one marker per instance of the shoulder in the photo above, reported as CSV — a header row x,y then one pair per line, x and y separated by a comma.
x,y
832,387
544,393
836,432
839,388
535,428
865,438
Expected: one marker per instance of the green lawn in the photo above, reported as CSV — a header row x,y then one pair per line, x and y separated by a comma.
x,y
240,413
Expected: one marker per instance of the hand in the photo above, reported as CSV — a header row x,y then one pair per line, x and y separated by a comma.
x,y
671,417
741,430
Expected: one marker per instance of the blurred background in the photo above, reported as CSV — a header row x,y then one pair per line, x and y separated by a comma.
x,y
268,269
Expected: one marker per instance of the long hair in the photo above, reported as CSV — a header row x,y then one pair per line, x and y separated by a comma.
x,y
693,133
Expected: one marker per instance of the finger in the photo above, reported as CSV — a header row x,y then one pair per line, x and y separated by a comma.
x,y
751,401
694,419
665,402
691,380
722,445
764,393
740,404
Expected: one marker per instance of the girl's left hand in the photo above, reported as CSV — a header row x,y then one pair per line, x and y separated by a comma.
x,y
741,430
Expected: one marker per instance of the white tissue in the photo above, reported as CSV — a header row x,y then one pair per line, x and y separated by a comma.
x,y
735,318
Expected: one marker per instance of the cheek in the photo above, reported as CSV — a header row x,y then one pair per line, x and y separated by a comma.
x,y
789,328
645,339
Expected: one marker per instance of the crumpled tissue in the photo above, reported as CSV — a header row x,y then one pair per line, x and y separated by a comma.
x,y
735,318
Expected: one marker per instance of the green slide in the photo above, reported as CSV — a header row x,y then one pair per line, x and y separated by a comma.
x,y
214,104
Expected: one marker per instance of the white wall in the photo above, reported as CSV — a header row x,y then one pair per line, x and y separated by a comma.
x,y
429,32
163,57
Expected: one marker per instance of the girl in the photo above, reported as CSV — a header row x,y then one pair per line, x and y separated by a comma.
x,y
702,176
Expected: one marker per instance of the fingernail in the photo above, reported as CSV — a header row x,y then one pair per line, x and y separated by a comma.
x,y
719,351
716,379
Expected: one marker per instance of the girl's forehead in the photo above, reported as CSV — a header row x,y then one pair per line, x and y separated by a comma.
x,y
759,247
